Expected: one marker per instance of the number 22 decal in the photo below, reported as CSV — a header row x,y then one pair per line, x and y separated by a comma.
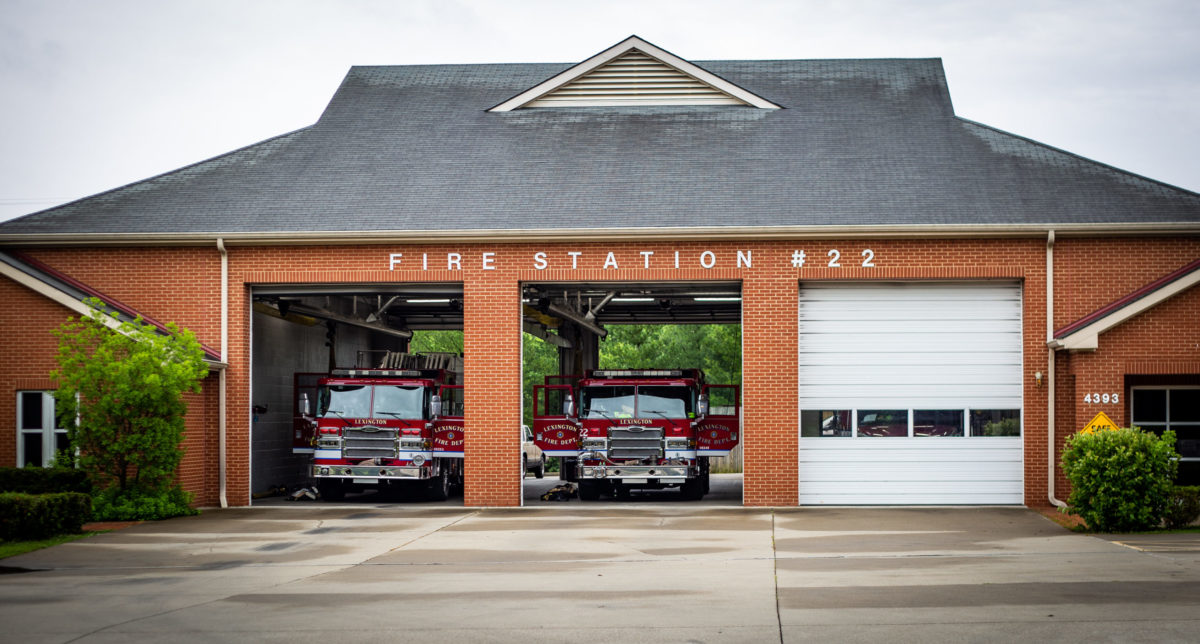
x,y
835,257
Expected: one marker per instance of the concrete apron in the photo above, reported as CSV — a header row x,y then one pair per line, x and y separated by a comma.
x,y
647,572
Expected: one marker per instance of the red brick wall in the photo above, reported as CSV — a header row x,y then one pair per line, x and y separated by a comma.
x,y
1090,273
26,320
1164,340
28,352
1088,276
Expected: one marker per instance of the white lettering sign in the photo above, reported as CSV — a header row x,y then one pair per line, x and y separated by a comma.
x,y
706,259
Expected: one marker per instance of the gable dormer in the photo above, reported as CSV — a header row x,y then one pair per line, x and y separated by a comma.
x,y
633,73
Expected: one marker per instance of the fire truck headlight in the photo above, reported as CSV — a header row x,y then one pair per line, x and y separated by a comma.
x,y
677,443
418,460
324,471
593,443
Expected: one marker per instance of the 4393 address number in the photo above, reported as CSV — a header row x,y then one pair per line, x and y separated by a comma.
x,y
1102,399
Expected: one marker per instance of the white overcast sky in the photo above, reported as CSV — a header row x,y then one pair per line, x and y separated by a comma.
x,y
99,94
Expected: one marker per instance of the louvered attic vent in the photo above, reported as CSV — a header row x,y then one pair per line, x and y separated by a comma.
x,y
635,79
633,73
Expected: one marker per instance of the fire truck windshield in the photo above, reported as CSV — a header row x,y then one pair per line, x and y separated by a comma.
x,y
354,401
345,401
399,402
672,402
625,401
607,402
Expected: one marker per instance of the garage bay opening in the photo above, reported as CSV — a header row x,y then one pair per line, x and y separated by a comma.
x,y
357,393
632,392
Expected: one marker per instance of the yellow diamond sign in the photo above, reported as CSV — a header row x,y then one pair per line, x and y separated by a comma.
x,y
1100,423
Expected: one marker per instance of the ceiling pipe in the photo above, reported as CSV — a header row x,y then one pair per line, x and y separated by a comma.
x,y
537,331
591,314
378,315
328,315
578,319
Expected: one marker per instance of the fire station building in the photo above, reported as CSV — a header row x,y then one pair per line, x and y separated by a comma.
x,y
890,264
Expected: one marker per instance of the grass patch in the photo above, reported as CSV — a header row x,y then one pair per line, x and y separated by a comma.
x,y
13,548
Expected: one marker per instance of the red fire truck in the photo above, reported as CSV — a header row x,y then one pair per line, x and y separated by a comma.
x,y
378,428
623,429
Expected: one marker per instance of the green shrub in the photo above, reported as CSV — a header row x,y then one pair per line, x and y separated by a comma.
x,y
1183,507
43,480
142,505
24,517
1120,479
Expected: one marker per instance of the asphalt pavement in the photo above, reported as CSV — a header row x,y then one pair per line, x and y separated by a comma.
x,y
648,570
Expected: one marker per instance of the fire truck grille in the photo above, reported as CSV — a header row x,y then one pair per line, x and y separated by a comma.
x,y
635,442
360,443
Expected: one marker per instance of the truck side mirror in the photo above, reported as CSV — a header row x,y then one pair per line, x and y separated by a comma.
x,y
702,405
436,405
568,406
302,407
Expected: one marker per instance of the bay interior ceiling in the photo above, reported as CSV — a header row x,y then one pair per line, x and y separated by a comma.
x,y
398,308
636,302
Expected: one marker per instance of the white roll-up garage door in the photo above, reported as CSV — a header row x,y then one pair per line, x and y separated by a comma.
x,y
910,393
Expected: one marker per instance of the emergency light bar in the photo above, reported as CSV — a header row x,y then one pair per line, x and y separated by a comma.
x,y
378,373
637,373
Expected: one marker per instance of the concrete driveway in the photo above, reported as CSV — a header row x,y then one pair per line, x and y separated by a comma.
x,y
638,572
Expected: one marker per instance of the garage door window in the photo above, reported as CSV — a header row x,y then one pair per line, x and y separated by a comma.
x,y
937,422
925,423
995,422
39,437
1157,409
883,422
826,423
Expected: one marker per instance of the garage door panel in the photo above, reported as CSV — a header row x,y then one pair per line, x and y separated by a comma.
x,y
903,310
930,495
976,359
883,292
922,449
916,389
897,342
813,329
950,472
965,374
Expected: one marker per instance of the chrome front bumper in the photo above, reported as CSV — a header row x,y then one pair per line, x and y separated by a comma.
x,y
408,473
635,473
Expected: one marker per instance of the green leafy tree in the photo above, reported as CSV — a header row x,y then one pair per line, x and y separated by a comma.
x,y
540,359
436,342
120,394
715,348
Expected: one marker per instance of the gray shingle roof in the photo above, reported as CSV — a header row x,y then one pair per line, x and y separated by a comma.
x,y
412,148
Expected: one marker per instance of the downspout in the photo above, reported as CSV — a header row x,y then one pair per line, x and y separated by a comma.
x,y
221,461
1050,366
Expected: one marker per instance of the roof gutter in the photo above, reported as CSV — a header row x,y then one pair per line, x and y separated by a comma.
x,y
524,235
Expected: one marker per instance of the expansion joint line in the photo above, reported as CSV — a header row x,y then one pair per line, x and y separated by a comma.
x,y
775,573
435,531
